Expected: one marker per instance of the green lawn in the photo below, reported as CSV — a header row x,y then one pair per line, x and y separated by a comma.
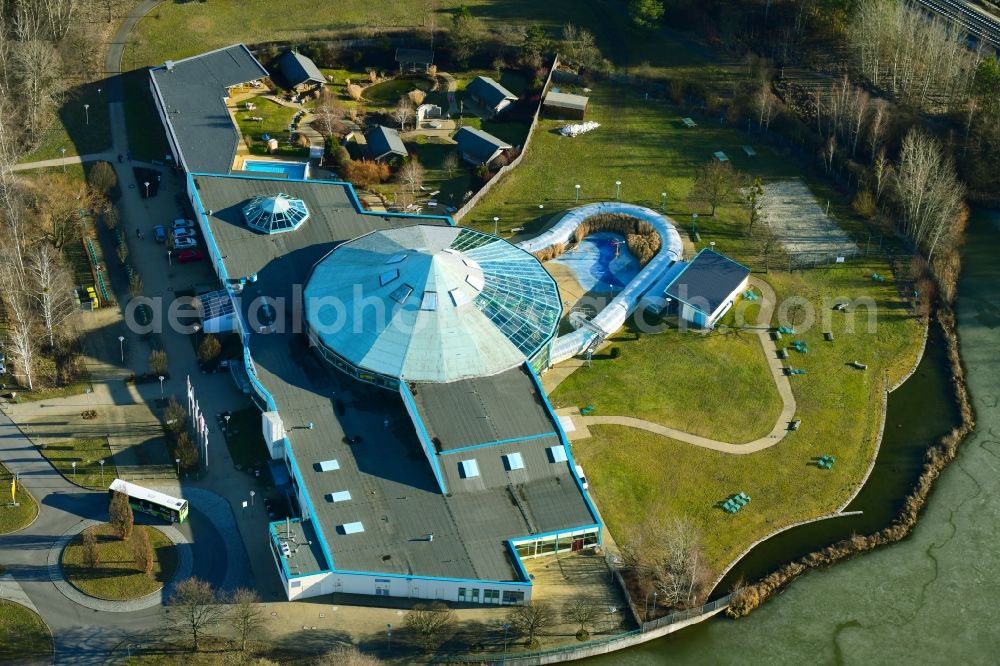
x,y
631,471
47,393
179,29
276,119
13,518
116,577
70,129
387,93
681,379
452,187
86,453
24,636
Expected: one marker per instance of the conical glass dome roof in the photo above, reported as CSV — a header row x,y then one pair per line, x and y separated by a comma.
x,y
431,304
276,213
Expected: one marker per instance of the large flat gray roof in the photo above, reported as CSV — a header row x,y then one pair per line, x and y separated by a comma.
x,y
393,492
193,91
484,409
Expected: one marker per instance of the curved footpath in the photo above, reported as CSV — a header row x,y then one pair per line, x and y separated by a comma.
x,y
788,405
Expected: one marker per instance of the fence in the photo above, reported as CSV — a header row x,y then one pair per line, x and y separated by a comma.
x,y
504,170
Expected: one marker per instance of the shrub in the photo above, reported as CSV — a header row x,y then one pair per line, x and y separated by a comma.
x,y
615,352
158,362
186,451
103,177
209,349
302,141
120,513
354,91
111,218
365,173
175,416
417,96
864,204
640,236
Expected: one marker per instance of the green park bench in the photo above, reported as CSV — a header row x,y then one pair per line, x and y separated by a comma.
x,y
586,411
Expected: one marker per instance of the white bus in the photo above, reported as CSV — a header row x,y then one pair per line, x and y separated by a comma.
x,y
151,501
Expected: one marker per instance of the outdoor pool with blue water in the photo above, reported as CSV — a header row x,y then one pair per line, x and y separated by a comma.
x,y
595,264
291,170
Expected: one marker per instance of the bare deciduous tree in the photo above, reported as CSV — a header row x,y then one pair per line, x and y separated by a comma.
x,y
529,619
21,322
158,362
38,72
450,163
411,174
403,112
246,616
329,114
103,177
50,287
430,624
715,183
347,656
194,609
680,571
583,612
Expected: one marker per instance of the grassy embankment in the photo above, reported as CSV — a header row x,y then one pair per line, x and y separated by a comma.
x,y
13,518
24,636
714,386
116,576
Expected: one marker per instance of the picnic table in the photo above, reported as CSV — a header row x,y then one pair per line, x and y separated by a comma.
x,y
689,122
721,156
749,151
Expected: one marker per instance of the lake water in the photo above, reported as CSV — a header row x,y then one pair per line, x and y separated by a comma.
x,y
930,599
601,262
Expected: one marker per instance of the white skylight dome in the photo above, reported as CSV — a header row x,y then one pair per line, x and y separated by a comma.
x,y
276,213
430,304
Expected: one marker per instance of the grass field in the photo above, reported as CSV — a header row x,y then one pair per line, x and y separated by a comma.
x,y
709,383
387,93
276,119
24,636
13,518
179,29
116,577
85,453
680,380
70,129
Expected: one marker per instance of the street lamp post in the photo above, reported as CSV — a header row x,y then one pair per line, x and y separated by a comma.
x,y
654,602
227,425
178,462
712,244
252,493
618,189
161,386
74,469
63,150
694,223
506,627
388,637
101,461
121,346
147,188
577,186
663,201
496,223
86,110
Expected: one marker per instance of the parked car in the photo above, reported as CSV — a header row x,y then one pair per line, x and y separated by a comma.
x,y
185,243
181,223
189,256
183,233
582,477
160,233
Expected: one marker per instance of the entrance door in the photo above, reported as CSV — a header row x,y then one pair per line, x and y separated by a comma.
x,y
577,544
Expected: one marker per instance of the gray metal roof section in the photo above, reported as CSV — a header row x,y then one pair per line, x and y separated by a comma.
x,y
414,56
393,492
707,281
297,69
566,101
486,409
384,141
192,92
304,552
479,144
489,91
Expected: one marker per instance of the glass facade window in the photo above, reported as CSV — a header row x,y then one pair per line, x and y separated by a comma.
x,y
510,597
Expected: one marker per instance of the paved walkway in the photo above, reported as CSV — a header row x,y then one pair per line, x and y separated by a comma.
x,y
778,432
60,161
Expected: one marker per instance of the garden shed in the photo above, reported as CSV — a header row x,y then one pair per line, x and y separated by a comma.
x,y
565,105
299,72
478,147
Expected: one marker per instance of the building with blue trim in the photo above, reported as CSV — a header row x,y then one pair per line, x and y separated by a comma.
x,y
394,359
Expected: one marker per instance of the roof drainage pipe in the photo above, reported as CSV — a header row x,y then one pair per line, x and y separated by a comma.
x,y
617,312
